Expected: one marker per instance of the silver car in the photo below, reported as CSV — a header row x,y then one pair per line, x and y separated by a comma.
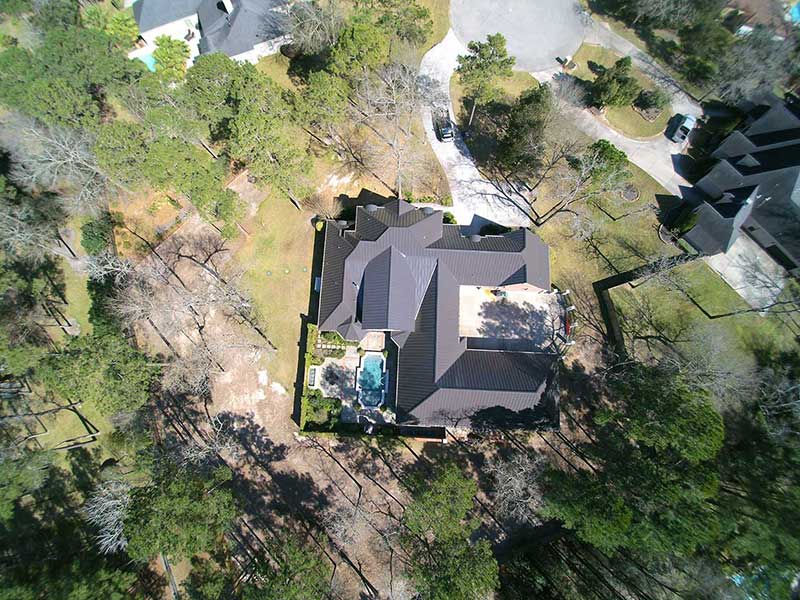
x,y
688,122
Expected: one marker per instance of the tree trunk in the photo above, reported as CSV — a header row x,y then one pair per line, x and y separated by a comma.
x,y
472,113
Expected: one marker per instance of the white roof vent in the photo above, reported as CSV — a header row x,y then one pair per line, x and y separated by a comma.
x,y
370,208
475,238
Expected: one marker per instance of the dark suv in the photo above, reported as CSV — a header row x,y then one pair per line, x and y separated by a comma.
x,y
445,130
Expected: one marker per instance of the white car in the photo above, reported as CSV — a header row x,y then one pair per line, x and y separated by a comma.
x,y
684,128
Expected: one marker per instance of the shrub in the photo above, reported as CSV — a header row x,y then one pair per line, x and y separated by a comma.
x,y
318,411
334,337
96,235
616,86
449,218
7,41
652,99
123,29
685,221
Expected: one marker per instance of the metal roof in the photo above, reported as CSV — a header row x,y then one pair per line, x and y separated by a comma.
x,y
399,269
150,14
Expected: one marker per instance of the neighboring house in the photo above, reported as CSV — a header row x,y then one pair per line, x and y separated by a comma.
x,y
245,30
754,190
472,328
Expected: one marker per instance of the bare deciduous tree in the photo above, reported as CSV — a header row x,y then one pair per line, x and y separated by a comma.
x,y
518,495
103,265
24,232
325,206
387,102
314,26
106,509
55,159
756,63
219,441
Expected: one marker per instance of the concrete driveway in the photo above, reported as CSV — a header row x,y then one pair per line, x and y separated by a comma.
x,y
537,31
475,200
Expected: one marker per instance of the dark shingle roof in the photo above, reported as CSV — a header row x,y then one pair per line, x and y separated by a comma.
x,y
757,180
150,14
251,22
400,270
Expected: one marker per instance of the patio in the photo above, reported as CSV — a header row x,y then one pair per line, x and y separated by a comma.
x,y
521,320
336,378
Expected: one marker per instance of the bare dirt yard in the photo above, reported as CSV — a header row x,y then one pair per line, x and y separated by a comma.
x,y
225,317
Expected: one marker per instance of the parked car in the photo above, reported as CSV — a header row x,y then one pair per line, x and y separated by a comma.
x,y
445,130
685,126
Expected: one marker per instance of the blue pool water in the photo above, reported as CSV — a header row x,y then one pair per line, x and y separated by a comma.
x,y
370,380
149,60
795,13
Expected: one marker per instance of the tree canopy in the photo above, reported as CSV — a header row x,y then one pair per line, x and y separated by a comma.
x,y
616,86
479,70
445,563
179,514
101,369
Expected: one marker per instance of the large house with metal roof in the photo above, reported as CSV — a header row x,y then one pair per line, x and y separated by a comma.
x,y
244,30
754,188
472,326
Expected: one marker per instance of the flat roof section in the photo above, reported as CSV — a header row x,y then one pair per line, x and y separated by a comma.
x,y
513,320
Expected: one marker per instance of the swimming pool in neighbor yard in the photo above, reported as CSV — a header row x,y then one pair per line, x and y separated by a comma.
x,y
795,13
370,380
149,60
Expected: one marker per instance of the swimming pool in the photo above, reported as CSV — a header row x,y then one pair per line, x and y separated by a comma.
x,y
370,380
795,13
149,60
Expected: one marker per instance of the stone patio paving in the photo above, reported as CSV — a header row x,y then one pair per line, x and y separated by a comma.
x,y
336,378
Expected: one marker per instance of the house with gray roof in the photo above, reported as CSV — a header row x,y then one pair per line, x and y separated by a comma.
x,y
754,188
244,30
472,327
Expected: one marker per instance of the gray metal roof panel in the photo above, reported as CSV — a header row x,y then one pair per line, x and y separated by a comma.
x,y
410,286
336,249
150,14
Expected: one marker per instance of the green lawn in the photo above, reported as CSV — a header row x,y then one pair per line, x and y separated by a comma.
x,y
623,118
734,340
20,30
277,260
512,87
78,300
276,67
440,15
629,34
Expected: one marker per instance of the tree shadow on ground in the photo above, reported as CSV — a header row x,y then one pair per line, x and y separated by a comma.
x,y
338,381
579,389
512,320
264,488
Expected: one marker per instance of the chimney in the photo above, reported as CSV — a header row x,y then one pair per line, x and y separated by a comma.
x,y
228,4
